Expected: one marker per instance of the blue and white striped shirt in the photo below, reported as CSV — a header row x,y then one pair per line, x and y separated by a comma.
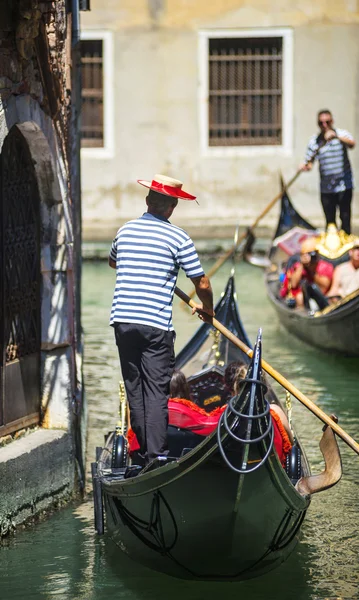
x,y
334,166
148,253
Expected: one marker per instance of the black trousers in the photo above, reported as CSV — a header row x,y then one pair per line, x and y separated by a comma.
x,y
341,200
147,362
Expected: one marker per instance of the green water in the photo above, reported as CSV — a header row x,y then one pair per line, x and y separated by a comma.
x,y
62,557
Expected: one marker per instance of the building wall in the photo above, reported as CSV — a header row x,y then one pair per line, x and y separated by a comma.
x,y
156,119
35,98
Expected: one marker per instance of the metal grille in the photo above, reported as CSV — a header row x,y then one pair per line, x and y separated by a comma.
x,y
92,94
21,253
20,270
245,91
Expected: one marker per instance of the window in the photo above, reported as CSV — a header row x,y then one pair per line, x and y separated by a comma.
x,y
246,84
97,114
92,134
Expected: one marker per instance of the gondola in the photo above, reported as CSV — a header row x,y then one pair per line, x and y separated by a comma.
x,y
333,328
221,507
291,230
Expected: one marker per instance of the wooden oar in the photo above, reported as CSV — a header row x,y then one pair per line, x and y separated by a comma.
x,y
278,377
222,259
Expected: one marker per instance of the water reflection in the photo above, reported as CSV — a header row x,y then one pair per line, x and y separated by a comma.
x,y
63,558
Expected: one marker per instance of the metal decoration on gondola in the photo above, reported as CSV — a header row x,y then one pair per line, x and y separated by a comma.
x,y
251,411
119,445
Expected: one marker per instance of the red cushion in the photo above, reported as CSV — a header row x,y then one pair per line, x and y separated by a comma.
x,y
187,415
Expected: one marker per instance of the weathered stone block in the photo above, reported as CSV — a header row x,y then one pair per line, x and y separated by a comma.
x,y
56,258
56,380
52,224
35,472
55,316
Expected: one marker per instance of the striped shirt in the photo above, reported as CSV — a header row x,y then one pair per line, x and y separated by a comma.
x,y
148,253
334,166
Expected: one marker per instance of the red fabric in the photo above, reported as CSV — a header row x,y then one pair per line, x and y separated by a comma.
x,y
323,268
187,415
282,442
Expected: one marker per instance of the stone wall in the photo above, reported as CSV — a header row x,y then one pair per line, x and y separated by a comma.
x,y
36,76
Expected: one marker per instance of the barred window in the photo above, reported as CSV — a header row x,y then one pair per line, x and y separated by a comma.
x,y
92,118
245,91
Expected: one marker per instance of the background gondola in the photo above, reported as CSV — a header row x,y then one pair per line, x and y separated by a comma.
x,y
334,329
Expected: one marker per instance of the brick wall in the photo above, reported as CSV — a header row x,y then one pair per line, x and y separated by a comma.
x,y
35,57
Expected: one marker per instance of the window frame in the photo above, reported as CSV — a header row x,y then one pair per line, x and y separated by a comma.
x,y
284,149
108,148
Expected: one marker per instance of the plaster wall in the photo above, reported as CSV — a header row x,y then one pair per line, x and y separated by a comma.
x,y
156,117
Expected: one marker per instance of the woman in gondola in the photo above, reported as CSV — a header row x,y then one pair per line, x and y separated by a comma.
x,y
310,269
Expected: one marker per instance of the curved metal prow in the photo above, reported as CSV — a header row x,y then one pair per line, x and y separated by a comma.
x,y
249,411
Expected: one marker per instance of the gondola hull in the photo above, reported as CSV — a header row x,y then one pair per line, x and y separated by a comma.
x,y
337,331
196,515
197,519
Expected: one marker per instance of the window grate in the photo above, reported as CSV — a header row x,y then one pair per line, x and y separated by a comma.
x,y
92,130
245,91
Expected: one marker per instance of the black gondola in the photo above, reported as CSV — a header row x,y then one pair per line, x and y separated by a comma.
x,y
224,509
334,328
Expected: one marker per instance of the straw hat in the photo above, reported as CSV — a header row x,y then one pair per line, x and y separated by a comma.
x,y
167,186
309,245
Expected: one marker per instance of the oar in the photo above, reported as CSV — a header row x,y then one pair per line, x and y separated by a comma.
x,y
278,377
222,259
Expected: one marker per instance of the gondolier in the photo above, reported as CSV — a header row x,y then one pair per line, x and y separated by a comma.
x,y
336,180
147,254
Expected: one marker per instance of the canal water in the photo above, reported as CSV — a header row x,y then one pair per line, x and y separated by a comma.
x,y
62,558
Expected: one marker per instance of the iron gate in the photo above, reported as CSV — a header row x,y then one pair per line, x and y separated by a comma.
x,y
20,287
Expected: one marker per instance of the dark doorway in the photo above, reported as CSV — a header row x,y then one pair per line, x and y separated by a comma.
x,y
20,337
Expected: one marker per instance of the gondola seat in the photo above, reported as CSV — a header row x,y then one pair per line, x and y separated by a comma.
x,y
208,390
189,424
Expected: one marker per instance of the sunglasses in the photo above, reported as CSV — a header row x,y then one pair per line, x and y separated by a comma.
x,y
326,122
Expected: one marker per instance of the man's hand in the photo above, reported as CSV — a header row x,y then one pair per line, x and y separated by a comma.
x,y
205,314
306,166
349,142
330,135
205,294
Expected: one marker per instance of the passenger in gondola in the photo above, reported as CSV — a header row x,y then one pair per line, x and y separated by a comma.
x,y
179,387
309,269
346,275
185,418
234,373
283,437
